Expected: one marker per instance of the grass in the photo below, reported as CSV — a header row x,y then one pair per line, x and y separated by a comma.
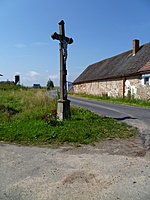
x,y
126,101
21,112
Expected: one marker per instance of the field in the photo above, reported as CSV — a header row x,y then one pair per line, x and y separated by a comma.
x,y
27,116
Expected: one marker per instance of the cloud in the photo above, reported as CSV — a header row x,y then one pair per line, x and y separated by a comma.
x,y
20,46
17,73
55,76
32,74
40,44
30,78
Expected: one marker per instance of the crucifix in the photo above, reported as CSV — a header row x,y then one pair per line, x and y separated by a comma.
x,y
63,103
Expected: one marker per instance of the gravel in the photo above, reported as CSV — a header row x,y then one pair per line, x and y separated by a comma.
x,y
109,170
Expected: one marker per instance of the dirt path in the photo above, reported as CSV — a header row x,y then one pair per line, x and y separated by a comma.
x,y
110,170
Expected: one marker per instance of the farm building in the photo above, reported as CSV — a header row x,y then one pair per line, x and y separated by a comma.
x,y
118,76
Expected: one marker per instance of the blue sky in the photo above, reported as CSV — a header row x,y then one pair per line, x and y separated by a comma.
x,y
99,28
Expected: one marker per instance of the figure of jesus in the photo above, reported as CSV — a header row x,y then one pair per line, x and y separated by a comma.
x,y
65,53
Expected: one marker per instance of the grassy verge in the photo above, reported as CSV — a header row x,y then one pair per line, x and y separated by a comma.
x,y
125,101
21,121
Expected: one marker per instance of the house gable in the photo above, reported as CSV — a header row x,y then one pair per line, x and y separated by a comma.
x,y
146,67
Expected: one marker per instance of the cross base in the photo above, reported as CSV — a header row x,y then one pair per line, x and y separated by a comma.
x,y
63,109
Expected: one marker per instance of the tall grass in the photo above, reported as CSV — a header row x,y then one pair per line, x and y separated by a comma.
x,y
23,103
21,121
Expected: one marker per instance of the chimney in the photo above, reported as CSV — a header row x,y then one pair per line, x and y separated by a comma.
x,y
135,46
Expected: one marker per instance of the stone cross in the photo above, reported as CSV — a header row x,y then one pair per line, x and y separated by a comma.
x,y
63,103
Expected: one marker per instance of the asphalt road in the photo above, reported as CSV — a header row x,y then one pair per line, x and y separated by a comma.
x,y
135,116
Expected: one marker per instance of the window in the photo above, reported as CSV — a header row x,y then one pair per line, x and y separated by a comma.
x,y
146,81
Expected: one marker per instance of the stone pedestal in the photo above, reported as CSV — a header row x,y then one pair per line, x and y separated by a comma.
x,y
63,109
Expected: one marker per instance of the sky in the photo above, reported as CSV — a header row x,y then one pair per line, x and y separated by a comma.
x,y
100,29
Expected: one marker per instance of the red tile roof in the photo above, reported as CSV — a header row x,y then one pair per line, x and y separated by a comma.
x,y
146,67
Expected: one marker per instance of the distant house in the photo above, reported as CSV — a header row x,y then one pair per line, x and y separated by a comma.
x,y
36,86
128,72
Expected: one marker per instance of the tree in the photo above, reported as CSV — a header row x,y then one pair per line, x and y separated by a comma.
x,y
50,84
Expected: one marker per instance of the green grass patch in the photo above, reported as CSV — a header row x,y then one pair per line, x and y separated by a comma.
x,y
21,121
